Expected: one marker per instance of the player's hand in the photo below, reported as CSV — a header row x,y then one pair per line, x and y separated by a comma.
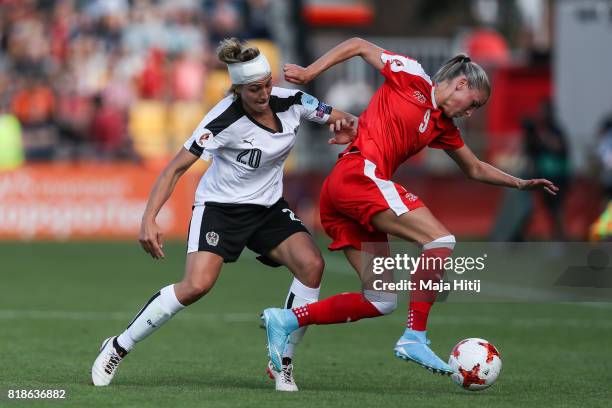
x,y
296,74
532,184
345,130
151,239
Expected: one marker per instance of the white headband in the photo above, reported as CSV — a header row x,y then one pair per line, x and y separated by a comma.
x,y
249,71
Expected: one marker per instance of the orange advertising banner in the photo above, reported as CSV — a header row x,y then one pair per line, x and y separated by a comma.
x,y
97,201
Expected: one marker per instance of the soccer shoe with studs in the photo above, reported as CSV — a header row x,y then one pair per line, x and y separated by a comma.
x,y
279,324
414,346
283,378
105,366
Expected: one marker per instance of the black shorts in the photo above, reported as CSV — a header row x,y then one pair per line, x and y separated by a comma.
x,y
225,229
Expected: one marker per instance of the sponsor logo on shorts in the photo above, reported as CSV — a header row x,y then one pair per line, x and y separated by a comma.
x,y
411,197
212,238
292,215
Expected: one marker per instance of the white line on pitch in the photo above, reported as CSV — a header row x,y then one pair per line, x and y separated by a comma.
x,y
250,317
8,314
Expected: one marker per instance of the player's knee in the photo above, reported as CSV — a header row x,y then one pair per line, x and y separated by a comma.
x,y
316,265
446,241
386,307
195,289
384,302
311,270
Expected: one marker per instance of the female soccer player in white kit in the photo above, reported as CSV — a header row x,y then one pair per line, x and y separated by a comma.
x,y
248,135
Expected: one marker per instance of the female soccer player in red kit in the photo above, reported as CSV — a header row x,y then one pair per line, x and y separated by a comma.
x,y
360,203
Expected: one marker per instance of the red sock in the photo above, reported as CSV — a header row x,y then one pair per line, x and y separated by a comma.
x,y
418,312
341,308
421,301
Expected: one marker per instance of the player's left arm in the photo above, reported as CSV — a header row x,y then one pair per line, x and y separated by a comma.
x,y
481,171
343,125
347,49
151,237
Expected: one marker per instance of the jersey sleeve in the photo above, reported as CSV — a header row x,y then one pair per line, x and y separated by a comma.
x,y
449,140
401,71
312,109
304,105
203,143
209,136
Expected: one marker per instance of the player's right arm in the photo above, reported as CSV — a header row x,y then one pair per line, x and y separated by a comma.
x,y
151,237
341,52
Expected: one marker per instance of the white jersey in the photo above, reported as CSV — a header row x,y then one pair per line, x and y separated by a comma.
x,y
247,157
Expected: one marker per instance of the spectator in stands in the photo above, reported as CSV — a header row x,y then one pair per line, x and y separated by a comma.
x,y
547,147
33,105
546,153
224,20
601,229
108,129
187,77
152,81
73,112
603,151
121,50
11,146
257,15
183,32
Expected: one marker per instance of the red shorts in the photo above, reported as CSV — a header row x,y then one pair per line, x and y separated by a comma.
x,y
352,193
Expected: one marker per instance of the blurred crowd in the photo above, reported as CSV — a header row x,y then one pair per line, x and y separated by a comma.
x,y
88,78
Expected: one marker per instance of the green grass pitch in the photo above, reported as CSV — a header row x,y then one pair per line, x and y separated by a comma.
x,y
58,301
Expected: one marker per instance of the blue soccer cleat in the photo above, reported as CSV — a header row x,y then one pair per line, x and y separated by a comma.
x,y
279,323
414,346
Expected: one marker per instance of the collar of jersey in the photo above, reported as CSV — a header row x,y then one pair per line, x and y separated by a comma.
x,y
433,97
241,109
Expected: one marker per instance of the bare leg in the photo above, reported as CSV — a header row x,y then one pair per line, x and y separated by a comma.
x,y
418,225
300,254
201,272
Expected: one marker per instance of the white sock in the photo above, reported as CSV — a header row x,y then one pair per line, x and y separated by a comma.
x,y
299,295
157,311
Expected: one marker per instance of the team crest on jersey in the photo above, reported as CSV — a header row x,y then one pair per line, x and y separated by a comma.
x,y
212,238
419,96
202,139
411,197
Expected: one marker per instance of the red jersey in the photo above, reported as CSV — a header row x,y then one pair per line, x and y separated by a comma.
x,y
402,117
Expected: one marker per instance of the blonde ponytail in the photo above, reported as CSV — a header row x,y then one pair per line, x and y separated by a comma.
x,y
461,64
231,51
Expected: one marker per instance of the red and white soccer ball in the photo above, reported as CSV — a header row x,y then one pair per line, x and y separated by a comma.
x,y
477,364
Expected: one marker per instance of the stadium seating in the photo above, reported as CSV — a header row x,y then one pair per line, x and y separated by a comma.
x,y
147,127
183,117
